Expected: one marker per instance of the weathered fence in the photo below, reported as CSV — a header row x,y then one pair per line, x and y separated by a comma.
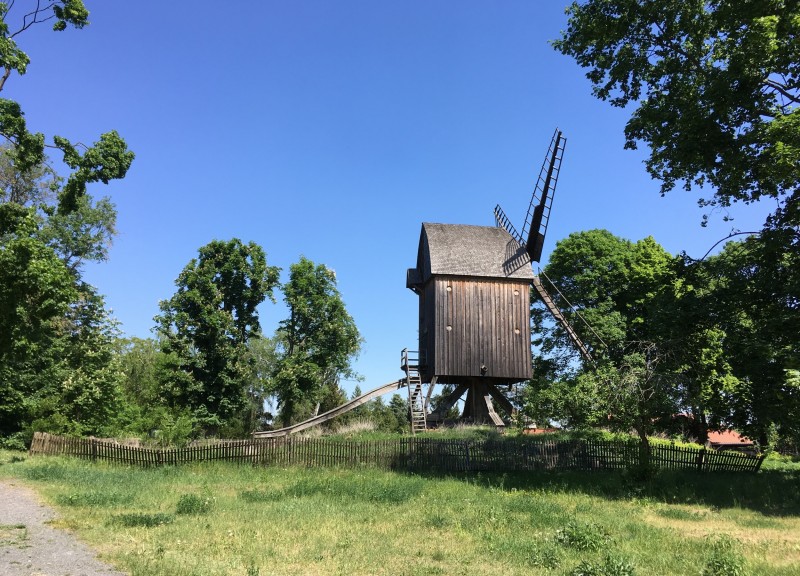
x,y
408,453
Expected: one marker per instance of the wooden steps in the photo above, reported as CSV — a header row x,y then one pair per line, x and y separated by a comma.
x,y
416,398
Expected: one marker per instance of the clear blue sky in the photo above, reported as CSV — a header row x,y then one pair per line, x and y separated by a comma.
x,y
333,130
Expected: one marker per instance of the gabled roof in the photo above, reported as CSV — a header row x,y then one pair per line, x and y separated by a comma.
x,y
728,438
462,250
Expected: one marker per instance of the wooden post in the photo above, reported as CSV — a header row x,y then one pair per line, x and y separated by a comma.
x,y
701,456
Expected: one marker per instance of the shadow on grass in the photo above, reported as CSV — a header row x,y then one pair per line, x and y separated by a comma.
x,y
770,492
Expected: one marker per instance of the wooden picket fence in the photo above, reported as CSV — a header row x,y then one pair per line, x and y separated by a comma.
x,y
407,453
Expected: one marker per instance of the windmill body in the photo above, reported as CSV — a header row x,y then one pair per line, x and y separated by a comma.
x,y
473,284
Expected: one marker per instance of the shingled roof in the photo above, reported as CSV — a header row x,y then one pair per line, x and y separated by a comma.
x,y
462,250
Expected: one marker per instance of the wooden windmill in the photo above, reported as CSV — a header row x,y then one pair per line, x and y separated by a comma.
x,y
473,284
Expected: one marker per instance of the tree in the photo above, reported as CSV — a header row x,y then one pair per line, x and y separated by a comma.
x,y
206,326
656,354
717,85
263,354
715,340
106,160
747,293
55,365
613,284
320,340
84,398
56,357
36,290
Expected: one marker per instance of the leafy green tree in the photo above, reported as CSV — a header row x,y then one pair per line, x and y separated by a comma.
x,y
401,416
36,290
717,89
106,160
715,339
613,284
56,355
85,397
56,368
748,294
263,356
656,354
320,340
206,326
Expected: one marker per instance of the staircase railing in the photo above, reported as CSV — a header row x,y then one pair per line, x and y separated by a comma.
x,y
409,362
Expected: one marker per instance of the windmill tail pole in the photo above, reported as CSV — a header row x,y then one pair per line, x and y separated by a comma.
x,y
551,306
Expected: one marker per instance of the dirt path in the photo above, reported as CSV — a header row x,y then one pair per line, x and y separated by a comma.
x,y
29,547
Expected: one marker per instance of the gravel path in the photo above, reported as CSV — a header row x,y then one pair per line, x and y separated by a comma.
x,y
29,547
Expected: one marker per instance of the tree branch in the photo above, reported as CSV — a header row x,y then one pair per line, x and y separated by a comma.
x,y
720,241
5,77
781,89
35,20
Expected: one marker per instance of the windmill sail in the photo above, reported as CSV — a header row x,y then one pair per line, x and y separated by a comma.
x,y
535,228
538,216
532,236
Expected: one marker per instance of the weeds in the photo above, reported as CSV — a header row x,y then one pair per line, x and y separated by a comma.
x,y
143,520
582,536
355,427
94,498
724,559
13,534
193,504
610,566
545,557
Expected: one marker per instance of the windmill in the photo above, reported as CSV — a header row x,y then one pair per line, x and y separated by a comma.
x,y
473,284
474,313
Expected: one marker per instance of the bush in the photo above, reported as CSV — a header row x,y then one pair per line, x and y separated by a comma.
x,y
724,559
582,536
18,441
193,504
611,566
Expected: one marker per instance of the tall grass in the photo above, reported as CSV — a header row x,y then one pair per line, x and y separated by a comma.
x,y
217,519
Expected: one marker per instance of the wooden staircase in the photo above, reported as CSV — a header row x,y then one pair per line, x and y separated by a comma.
x,y
409,362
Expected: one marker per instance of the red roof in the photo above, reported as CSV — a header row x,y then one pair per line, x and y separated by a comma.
x,y
729,437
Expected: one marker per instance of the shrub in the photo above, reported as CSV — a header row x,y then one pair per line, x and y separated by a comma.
x,y
582,536
193,504
611,566
724,559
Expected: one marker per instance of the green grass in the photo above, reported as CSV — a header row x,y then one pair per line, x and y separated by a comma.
x,y
215,519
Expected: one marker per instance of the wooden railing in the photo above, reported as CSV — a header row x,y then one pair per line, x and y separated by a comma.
x,y
407,453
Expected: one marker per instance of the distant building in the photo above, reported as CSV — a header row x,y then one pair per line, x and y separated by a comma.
x,y
729,440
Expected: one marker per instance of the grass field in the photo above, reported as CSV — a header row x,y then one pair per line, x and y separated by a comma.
x,y
225,519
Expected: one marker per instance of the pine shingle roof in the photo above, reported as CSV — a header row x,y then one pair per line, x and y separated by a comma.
x,y
464,250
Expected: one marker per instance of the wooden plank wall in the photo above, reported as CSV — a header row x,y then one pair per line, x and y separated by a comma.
x,y
479,322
